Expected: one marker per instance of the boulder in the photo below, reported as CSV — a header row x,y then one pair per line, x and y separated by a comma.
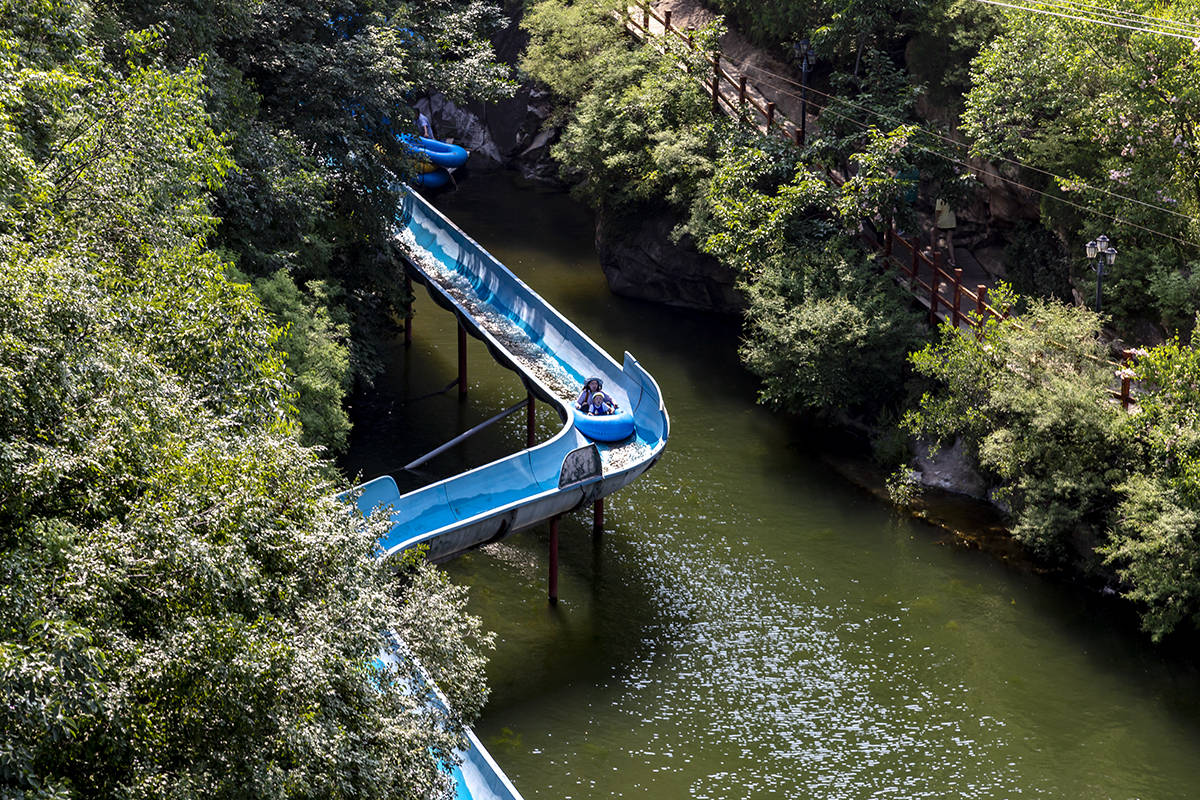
x,y
640,260
950,469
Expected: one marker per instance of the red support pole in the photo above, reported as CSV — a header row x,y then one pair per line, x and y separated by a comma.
x,y
770,117
529,419
981,301
408,317
554,561
598,517
957,295
1125,399
462,362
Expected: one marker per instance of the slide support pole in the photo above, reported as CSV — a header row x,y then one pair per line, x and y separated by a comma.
x,y
554,561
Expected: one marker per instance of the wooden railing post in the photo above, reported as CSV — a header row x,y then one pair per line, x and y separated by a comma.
x,y
798,137
770,116
916,262
742,93
934,288
716,86
981,301
957,314
691,37
887,233
646,17
667,20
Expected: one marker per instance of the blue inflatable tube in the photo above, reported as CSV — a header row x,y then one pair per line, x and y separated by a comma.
x,y
607,428
433,180
442,154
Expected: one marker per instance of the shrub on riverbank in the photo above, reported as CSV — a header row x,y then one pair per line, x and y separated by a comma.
x,y
1031,398
640,133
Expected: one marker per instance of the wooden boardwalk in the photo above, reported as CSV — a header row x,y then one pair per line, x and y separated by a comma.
x,y
949,293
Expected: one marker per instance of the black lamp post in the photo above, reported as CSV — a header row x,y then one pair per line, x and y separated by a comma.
x,y
805,56
1100,250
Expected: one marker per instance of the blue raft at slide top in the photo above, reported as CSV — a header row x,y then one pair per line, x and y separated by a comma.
x,y
529,487
438,157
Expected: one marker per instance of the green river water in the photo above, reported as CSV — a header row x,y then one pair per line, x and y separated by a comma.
x,y
750,624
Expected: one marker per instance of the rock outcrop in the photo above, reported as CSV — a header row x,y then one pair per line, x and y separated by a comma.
x,y
950,469
505,134
640,260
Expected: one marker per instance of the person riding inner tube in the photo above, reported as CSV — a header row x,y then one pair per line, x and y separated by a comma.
x,y
591,387
601,405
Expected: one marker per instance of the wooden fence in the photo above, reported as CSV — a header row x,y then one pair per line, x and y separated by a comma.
x,y
730,95
945,294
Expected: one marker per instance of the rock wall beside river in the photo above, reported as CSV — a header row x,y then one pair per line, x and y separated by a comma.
x,y
640,260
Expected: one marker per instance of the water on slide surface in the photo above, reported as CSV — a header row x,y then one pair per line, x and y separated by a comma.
x,y
750,625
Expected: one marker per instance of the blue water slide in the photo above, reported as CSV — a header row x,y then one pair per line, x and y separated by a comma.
x,y
552,357
476,775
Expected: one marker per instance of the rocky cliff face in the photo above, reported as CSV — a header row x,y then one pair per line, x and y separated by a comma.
x,y
640,260
638,257
508,134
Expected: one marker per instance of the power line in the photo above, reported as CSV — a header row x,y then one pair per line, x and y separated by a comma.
x,y
956,143
1098,13
1063,200
1080,17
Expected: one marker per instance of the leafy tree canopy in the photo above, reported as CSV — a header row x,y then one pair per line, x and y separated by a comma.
x,y
186,609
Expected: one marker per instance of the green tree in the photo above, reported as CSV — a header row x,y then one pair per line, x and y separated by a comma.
x,y
641,128
1112,113
1155,538
1030,398
186,609
823,328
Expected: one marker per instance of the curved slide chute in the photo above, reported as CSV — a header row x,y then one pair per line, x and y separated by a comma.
x,y
551,356
525,333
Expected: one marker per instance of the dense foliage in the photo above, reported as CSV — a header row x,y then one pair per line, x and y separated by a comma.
x,y
1032,398
1108,117
822,331
186,609
640,135
1155,537
1098,119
